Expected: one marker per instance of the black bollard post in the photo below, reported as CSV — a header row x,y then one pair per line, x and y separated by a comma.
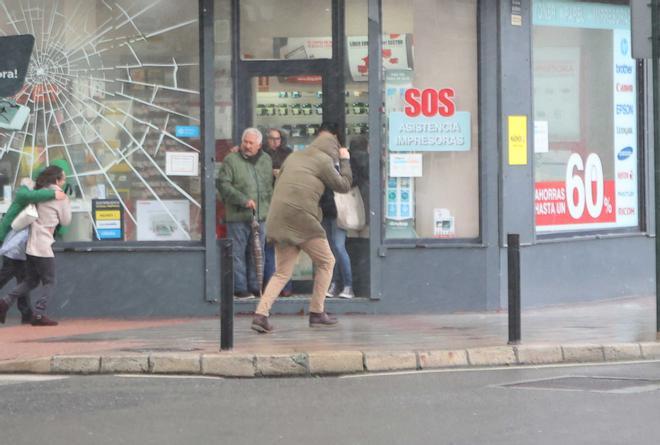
x,y
226,295
513,263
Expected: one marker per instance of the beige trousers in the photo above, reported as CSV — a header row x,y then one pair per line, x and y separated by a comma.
x,y
286,255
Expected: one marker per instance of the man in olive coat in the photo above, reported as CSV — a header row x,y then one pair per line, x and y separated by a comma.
x,y
245,183
294,221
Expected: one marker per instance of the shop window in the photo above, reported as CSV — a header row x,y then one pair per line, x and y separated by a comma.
x,y
431,111
113,90
286,29
585,117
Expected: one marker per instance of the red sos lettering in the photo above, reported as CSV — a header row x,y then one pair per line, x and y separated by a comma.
x,y
430,102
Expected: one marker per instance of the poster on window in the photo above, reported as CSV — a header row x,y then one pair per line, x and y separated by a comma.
x,y
163,220
596,192
396,49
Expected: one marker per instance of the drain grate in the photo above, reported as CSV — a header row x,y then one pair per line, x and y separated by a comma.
x,y
616,385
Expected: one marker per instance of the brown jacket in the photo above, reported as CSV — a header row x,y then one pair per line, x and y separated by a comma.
x,y
295,215
51,213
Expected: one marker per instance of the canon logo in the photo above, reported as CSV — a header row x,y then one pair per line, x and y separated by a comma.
x,y
624,88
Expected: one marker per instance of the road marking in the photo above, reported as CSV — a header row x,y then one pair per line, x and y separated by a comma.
x,y
26,378
495,368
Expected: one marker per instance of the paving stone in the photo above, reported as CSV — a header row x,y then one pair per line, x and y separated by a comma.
x,y
622,351
76,364
175,363
650,350
442,359
538,354
228,365
30,366
281,365
492,356
389,361
124,363
335,362
583,353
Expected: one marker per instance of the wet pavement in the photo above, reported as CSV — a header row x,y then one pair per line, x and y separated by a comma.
x,y
612,321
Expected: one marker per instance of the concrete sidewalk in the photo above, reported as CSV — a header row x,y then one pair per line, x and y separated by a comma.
x,y
622,329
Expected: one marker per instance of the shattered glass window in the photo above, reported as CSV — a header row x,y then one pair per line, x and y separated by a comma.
x,y
113,90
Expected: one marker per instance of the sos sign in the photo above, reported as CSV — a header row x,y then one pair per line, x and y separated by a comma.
x,y
429,102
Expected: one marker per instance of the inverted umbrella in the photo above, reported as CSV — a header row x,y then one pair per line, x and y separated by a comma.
x,y
257,251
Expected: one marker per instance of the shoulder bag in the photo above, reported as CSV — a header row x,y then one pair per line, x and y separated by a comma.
x,y
26,217
350,210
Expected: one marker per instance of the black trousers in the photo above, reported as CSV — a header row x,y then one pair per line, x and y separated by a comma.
x,y
16,269
39,270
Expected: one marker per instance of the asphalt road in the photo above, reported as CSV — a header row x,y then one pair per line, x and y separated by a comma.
x,y
614,404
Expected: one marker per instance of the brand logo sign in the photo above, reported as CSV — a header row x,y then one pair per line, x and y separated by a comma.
x,y
624,109
624,47
624,69
624,87
624,153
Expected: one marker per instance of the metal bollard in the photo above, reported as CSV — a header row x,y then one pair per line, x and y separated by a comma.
x,y
226,295
513,268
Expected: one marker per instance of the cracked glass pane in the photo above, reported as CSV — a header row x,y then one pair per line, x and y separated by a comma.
x,y
113,89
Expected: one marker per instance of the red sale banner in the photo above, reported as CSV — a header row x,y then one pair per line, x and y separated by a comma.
x,y
554,207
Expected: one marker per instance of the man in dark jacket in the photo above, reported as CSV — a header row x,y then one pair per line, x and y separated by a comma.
x,y
278,150
294,222
245,184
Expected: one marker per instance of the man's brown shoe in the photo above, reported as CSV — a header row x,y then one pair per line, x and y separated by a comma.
x,y
261,324
43,320
321,319
4,307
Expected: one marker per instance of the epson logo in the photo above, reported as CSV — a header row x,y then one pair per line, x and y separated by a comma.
x,y
624,153
624,69
624,109
624,130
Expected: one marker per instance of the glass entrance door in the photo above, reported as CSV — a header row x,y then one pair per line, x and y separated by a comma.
x,y
292,104
288,110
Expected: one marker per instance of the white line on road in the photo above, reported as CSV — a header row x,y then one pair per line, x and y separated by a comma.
x,y
26,378
495,368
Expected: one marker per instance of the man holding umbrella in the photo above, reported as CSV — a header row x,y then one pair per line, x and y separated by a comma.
x,y
245,184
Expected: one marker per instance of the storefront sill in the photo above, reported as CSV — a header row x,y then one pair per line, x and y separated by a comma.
x,y
591,237
91,249
434,246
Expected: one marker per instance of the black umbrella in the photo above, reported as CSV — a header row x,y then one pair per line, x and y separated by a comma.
x,y
257,251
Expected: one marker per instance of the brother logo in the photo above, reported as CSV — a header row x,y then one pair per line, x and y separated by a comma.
x,y
624,69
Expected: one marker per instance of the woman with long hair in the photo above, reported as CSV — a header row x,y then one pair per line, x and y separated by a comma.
x,y
39,251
